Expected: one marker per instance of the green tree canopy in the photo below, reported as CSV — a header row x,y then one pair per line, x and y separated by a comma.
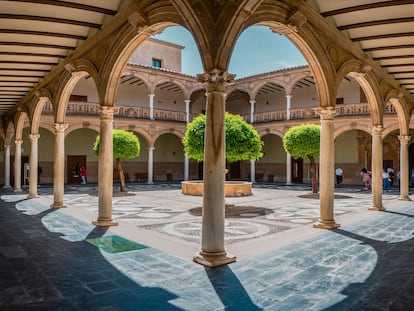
x,y
125,146
303,141
242,140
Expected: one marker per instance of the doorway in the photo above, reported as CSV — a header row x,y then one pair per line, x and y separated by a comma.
x,y
74,163
297,170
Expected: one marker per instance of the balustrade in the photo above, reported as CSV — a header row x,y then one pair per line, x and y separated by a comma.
x,y
180,116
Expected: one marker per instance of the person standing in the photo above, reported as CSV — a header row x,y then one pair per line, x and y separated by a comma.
x,y
339,173
366,178
83,174
385,180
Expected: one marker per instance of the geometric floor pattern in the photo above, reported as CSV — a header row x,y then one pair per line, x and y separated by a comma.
x,y
46,262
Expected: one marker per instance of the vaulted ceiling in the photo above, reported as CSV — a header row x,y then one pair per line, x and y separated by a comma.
x,y
35,36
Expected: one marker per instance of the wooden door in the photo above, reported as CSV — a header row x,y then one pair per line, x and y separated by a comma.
x,y
73,165
297,170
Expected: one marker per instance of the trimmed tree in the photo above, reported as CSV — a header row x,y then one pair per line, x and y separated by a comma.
x,y
125,146
303,141
242,140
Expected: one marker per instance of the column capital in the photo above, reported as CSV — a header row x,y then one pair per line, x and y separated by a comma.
x,y
18,142
404,139
34,137
288,95
327,113
107,112
252,101
60,127
150,148
216,80
7,146
377,130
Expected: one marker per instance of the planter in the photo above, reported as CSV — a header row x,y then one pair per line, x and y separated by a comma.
x,y
231,188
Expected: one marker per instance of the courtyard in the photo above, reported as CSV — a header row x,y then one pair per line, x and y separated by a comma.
x,y
58,260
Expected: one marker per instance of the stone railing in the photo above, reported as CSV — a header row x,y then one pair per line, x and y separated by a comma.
x,y
180,116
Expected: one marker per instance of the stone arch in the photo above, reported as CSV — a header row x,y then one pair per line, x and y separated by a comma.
x,y
141,131
274,131
362,73
351,126
176,132
399,103
292,23
79,126
40,99
10,132
131,35
20,120
68,79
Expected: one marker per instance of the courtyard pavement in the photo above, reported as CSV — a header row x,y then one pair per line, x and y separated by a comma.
x,y
57,260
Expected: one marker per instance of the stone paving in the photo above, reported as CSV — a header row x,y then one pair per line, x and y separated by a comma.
x,y
48,263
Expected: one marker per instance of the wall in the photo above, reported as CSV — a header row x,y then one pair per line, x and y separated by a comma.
x,y
168,53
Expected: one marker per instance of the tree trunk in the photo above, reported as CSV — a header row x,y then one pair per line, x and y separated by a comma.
x,y
121,175
313,173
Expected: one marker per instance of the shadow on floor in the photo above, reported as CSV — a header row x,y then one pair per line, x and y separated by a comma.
x,y
390,286
41,271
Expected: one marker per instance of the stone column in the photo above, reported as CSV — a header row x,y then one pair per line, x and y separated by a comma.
x,y
186,159
151,106
33,165
327,169
186,168
252,102
253,170
212,252
18,166
377,168
288,169
187,110
59,165
288,102
252,162
105,167
150,165
7,166
404,168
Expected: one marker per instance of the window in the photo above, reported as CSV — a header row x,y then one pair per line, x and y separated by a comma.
x,y
156,63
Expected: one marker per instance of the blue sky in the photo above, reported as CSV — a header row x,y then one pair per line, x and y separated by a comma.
x,y
257,50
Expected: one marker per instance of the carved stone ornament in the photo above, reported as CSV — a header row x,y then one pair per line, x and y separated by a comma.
x,y
60,127
137,21
34,137
377,130
295,19
107,112
404,139
327,113
216,80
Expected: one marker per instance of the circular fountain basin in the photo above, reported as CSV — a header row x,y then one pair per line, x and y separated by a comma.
x,y
231,188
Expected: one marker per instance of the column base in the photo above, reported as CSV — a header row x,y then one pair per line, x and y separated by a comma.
x,y
104,223
17,190
404,198
57,205
377,208
32,196
288,183
6,186
326,224
213,259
